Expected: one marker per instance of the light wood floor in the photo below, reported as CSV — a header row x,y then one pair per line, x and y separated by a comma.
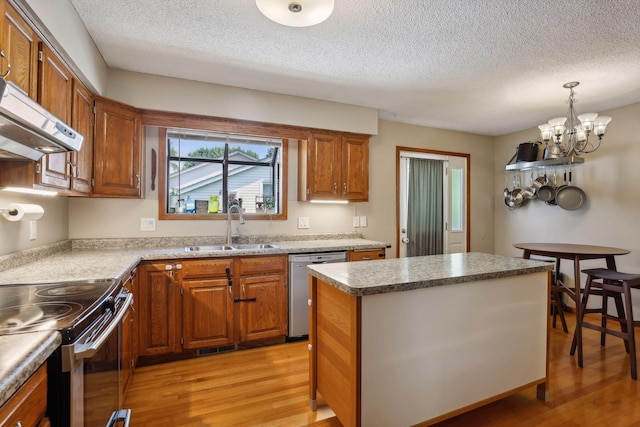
x,y
268,387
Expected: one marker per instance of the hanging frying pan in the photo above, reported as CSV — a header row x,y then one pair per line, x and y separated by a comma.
x,y
547,193
570,197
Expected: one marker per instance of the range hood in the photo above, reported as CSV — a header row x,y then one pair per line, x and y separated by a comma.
x,y
28,131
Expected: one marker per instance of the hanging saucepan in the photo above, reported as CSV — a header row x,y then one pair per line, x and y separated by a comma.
x,y
528,152
506,187
570,197
547,193
530,192
516,198
540,181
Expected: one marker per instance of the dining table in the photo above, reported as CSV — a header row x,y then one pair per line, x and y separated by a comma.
x,y
577,253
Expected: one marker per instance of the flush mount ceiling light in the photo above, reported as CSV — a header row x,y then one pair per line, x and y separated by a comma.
x,y
571,132
296,13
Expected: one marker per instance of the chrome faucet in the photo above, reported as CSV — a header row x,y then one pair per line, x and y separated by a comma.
x,y
239,210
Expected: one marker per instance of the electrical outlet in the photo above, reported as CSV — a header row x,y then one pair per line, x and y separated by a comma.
x,y
356,221
363,221
147,224
33,230
303,222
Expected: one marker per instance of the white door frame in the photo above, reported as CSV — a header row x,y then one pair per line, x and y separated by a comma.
x,y
460,238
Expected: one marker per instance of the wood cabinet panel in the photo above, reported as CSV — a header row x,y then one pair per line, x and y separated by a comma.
x,y
28,405
160,311
262,264
118,150
20,45
82,121
355,168
266,316
208,313
366,255
54,93
333,167
206,268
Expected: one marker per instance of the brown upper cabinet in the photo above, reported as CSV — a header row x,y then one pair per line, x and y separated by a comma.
x,y
117,150
54,93
334,167
20,45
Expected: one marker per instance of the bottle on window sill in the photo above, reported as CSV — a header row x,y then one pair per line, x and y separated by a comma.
x,y
214,204
190,206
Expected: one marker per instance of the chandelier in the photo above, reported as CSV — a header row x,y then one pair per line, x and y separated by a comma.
x,y
571,134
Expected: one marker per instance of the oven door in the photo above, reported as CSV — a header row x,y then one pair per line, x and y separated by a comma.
x,y
94,365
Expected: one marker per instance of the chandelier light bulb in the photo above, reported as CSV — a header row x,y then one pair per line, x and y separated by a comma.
x,y
600,125
587,120
546,131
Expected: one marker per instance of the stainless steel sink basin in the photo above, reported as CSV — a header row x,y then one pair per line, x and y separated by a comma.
x,y
256,246
208,248
214,248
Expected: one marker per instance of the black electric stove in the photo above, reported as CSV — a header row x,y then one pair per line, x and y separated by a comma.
x,y
70,307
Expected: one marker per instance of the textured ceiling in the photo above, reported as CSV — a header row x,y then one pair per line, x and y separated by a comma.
x,y
483,66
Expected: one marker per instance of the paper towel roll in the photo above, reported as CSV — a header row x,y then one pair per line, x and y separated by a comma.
x,y
23,212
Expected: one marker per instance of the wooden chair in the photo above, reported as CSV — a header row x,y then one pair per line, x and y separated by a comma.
x,y
616,285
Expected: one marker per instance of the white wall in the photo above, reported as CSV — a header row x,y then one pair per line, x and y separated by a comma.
x,y
187,96
52,227
105,218
610,177
63,23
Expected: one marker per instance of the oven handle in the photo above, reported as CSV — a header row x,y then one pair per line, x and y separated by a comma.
x,y
121,415
90,351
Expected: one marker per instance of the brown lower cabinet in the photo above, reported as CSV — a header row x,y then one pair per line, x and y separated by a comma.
x,y
366,254
202,303
27,407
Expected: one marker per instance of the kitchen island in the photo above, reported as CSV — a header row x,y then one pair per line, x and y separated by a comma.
x,y
404,341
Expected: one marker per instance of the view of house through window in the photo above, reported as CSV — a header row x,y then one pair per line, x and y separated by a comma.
x,y
210,172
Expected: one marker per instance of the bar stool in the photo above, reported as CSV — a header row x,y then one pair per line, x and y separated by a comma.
x,y
614,285
556,302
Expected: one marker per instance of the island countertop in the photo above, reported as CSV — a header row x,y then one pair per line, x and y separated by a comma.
x,y
404,274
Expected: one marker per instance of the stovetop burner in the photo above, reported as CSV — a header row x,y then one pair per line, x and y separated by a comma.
x,y
32,316
67,291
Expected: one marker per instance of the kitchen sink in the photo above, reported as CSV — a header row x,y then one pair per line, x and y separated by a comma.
x,y
255,246
214,248
208,248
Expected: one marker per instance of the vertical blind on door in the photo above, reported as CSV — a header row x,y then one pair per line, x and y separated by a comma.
x,y
425,207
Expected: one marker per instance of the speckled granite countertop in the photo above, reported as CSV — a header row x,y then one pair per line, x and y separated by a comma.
x,y
404,274
104,263
21,356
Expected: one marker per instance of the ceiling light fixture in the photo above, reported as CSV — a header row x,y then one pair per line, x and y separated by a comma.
x,y
571,133
296,13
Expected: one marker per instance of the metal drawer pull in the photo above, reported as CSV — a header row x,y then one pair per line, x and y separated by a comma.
x,y
123,415
245,300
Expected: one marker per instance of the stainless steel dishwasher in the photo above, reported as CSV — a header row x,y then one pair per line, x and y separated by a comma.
x,y
299,288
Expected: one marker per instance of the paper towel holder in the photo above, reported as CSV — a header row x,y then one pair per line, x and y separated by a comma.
x,y
9,211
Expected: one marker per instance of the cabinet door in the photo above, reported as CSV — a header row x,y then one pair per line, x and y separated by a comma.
x,y
159,327
266,316
208,313
323,166
82,121
28,405
355,169
20,45
54,94
118,150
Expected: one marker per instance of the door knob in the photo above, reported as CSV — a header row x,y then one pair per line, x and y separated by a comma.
x,y
405,240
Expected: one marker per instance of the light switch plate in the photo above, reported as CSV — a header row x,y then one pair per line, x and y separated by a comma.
x,y
356,221
303,222
363,221
147,224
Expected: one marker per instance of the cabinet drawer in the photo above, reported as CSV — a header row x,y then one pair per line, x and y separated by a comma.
x,y
260,265
28,405
206,268
366,255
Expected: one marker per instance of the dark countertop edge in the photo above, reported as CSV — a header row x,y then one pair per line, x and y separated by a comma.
x,y
11,383
430,283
